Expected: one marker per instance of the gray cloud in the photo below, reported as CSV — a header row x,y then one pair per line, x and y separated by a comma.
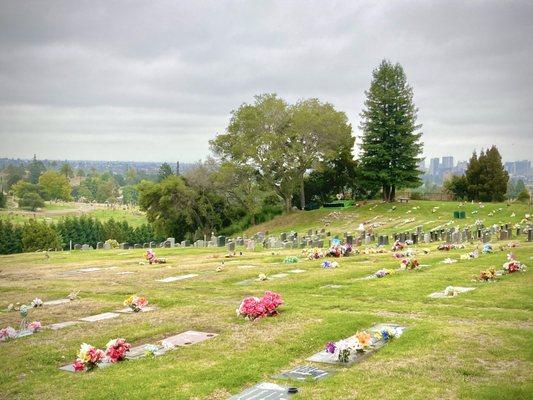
x,y
136,80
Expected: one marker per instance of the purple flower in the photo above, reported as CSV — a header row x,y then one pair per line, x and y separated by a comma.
x,y
330,347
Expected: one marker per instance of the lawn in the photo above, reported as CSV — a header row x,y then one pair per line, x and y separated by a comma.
x,y
476,345
53,212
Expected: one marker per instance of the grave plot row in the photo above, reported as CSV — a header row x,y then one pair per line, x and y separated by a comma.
x,y
264,277
272,391
99,317
450,291
183,339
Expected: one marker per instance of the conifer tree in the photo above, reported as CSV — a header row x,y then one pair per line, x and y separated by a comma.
x,y
391,146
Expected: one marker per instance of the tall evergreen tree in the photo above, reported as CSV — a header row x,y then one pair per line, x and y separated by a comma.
x,y
391,146
494,177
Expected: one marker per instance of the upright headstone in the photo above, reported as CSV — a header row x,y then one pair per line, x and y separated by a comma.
x,y
221,241
99,245
77,246
172,241
231,246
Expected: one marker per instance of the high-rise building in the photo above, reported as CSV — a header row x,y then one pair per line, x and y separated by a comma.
x,y
509,167
522,167
447,162
434,164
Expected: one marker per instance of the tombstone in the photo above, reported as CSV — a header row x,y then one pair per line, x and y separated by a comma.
x,y
231,246
146,245
186,243
172,241
240,241
367,239
427,238
310,232
320,244
166,244
99,245
86,247
77,246
518,231
107,246
419,230
414,238
530,235
456,237
486,237
199,243
503,235
250,245
221,241
123,246
283,236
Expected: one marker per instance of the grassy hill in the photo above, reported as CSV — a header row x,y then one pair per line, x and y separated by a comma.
x,y
405,216
473,346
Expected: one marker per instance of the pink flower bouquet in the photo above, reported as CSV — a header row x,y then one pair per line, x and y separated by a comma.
x,y
408,263
7,333
254,307
117,349
34,326
88,358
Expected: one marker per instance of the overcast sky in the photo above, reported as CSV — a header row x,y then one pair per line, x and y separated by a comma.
x,y
155,80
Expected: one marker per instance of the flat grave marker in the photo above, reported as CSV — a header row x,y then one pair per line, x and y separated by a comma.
x,y
263,391
56,302
304,372
187,338
329,358
331,287
176,278
458,289
100,317
128,310
297,271
61,325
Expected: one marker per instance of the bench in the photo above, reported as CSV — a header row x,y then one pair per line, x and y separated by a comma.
x,y
403,200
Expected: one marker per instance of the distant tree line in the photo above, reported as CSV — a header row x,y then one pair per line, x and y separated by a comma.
x,y
34,235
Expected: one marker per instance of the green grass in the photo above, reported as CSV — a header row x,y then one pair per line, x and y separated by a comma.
x,y
404,217
475,346
53,212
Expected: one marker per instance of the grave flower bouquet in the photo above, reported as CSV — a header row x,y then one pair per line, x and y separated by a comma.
x,y
339,250
330,264
314,254
408,263
34,326
136,303
7,333
449,261
254,307
513,266
116,349
384,272
488,275
487,248
398,246
88,358
445,247
37,302
291,260
343,349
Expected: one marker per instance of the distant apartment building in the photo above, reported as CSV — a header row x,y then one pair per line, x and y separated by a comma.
x,y
434,165
447,162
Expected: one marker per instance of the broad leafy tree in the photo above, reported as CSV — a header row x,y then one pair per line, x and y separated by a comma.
x,y
391,147
55,185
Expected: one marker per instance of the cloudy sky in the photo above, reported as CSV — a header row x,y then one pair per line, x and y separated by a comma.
x,y
155,80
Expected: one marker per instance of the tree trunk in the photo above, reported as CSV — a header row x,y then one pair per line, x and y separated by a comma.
x,y
302,195
252,219
288,203
392,193
385,192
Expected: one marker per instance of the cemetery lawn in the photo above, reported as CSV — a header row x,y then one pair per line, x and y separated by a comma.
x,y
478,345
53,212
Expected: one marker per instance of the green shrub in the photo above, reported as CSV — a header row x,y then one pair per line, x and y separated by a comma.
x,y
40,236
523,196
31,201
